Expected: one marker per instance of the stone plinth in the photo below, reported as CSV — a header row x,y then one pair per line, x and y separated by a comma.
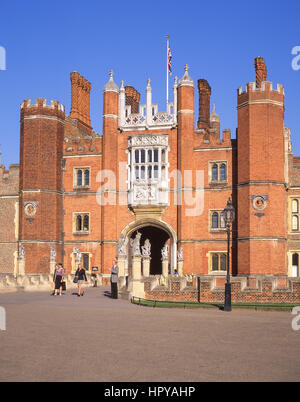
x,y
21,266
52,266
136,267
122,265
146,266
180,267
165,268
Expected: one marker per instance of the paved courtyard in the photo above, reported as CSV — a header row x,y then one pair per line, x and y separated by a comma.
x,y
95,338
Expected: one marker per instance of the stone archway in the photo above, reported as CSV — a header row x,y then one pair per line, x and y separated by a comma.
x,y
157,237
158,232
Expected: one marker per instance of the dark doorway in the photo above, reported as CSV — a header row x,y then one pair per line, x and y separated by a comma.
x,y
157,238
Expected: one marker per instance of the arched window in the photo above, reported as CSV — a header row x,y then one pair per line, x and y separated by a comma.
x,y
223,172
214,172
86,177
295,206
295,259
215,262
86,223
86,261
223,262
295,223
295,265
78,223
215,220
79,177
222,220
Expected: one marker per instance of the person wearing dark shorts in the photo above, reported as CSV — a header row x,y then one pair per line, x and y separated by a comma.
x,y
81,275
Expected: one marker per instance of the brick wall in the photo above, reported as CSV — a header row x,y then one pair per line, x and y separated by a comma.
x,y
259,289
9,215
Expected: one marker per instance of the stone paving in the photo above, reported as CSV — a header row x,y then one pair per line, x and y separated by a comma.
x,y
96,338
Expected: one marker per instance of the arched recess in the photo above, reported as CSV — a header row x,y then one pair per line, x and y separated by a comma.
x,y
133,227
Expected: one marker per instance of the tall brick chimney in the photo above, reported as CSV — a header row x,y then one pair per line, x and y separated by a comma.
x,y
261,71
80,98
204,104
132,98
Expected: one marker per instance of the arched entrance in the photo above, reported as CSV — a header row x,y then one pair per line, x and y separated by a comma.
x,y
158,233
157,237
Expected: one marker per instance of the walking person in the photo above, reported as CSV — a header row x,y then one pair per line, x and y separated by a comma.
x,y
114,280
81,275
59,275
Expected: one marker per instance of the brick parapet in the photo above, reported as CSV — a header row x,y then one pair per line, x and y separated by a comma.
x,y
245,289
254,93
9,180
40,108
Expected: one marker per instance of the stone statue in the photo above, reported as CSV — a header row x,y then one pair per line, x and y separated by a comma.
x,y
165,252
52,253
21,251
146,248
180,254
78,254
121,246
135,244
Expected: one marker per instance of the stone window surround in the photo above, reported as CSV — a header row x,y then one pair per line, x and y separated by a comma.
x,y
80,232
291,214
219,228
157,186
210,167
290,254
83,168
210,263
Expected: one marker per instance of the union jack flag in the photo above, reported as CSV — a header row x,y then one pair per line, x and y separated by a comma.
x,y
169,61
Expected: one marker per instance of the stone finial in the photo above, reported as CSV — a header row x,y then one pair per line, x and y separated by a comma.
x,y
111,86
186,80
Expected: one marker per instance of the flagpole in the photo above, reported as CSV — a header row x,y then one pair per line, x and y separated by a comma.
x,y
167,72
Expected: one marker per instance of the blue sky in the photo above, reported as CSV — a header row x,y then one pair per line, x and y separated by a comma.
x,y
219,40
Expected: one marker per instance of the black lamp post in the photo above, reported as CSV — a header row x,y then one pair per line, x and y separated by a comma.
x,y
229,215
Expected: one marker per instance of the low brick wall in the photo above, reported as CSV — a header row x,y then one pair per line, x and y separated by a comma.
x,y
258,289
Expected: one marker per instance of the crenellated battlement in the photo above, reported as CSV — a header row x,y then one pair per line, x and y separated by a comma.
x,y
9,179
213,138
40,107
266,86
